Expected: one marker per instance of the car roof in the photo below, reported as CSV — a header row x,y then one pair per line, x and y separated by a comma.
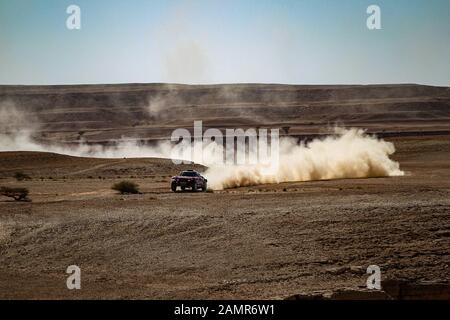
x,y
193,171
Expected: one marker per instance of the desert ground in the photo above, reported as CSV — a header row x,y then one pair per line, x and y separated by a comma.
x,y
271,241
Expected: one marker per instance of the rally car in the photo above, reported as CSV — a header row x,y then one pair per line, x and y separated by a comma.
x,y
189,179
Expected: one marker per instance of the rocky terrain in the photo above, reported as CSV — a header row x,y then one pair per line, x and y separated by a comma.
x,y
290,240
268,241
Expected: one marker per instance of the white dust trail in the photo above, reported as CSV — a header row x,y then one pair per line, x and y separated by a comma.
x,y
349,153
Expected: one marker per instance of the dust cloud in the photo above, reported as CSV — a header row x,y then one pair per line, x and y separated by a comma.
x,y
349,153
17,131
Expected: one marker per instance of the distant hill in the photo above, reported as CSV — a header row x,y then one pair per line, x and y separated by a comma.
x,y
99,113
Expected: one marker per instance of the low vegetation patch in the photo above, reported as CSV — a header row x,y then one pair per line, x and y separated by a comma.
x,y
126,187
18,194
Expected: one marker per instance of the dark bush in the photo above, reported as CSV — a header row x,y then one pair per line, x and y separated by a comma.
x,y
18,194
126,187
20,176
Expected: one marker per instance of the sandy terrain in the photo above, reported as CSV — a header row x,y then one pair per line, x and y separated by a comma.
x,y
269,241
265,241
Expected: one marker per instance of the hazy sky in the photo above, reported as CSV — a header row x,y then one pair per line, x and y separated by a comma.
x,y
228,41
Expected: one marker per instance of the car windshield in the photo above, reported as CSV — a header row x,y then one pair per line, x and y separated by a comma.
x,y
188,174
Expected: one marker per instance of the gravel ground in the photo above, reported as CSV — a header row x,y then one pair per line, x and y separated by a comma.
x,y
269,241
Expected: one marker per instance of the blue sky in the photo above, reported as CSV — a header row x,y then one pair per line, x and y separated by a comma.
x,y
209,41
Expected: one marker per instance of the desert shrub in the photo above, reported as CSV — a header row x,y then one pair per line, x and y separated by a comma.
x,y
20,176
126,187
18,194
